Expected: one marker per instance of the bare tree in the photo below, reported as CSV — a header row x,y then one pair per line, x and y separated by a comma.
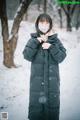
x,y
45,6
5,31
10,41
78,17
60,15
39,5
69,10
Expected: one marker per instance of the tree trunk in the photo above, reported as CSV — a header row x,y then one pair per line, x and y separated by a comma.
x,y
69,28
9,43
38,5
6,46
77,17
5,34
69,10
45,6
17,20
60,15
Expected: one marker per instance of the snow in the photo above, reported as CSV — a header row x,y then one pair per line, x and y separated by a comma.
x,y
14,83
70,86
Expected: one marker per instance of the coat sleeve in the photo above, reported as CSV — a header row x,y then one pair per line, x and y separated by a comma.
x,y
31,49
58,51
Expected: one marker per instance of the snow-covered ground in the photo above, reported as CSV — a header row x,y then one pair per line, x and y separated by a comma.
x,y
14,83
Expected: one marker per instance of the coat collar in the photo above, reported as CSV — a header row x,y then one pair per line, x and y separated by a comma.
x,y
50,38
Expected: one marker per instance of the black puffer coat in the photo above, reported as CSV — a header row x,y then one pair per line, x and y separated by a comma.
x,y
44,100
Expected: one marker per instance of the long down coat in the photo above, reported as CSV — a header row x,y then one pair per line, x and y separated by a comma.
x,y
44,99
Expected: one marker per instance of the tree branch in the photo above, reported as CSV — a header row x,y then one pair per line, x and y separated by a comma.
x,y
73,8
66,12
19,15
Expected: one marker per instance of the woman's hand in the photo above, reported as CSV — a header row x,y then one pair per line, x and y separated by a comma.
x,y
46,45
44,38
39,39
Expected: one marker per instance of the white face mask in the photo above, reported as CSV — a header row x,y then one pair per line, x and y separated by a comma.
x,y
43,27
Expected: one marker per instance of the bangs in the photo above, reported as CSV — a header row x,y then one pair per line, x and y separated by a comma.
x,y
42,19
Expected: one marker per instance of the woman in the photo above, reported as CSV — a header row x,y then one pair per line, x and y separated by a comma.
x,y
45,51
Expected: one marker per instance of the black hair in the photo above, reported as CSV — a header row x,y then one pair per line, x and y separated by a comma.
x,y
43,17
